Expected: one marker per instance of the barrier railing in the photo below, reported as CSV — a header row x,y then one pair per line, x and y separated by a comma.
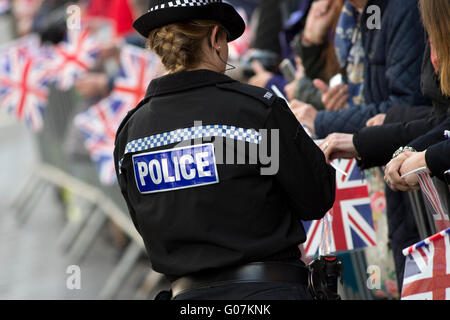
x,y
100,205
424,212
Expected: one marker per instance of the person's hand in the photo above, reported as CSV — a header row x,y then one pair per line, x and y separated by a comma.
x,y
289,89
92,85
415,161
338,146
334,98
319,20
378,120
392,174
261,77
305,114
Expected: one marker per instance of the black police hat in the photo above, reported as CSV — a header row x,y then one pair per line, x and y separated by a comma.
x,y
162,13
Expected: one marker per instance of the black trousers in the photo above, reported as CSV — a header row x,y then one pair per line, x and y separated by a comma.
x,y
249,291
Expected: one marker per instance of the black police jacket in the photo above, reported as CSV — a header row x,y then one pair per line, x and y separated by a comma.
x,y
196,208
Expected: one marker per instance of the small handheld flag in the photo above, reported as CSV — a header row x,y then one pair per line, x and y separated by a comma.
x,y
427,269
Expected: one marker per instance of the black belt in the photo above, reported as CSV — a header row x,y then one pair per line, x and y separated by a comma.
x,y
252,272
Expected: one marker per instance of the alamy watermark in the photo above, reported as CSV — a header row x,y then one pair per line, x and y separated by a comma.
x,y
374,277
73,281
234,151
73,20
374,20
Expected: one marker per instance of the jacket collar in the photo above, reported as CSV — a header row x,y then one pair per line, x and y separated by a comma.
x,y
185,80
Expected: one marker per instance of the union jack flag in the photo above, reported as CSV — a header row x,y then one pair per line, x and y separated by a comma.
x,y
352,224
427,269
28,45
137,68
23,84
98,126
100,123
73,57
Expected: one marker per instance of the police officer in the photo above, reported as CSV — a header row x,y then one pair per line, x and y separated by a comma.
x,y
217,174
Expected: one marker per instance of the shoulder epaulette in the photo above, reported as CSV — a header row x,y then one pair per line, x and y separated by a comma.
x,y
258,93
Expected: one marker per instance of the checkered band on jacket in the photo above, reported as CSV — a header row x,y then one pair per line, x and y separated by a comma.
x,y
182,3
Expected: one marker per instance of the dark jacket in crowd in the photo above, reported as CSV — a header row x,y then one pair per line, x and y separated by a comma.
x,y
241,217
376,145
392,70
312,57
437,158
435,143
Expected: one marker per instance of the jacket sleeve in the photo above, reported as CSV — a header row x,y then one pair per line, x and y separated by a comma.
x,y
432,137
312,57
438,158
303,174
402,113
376,145
403,61
345,121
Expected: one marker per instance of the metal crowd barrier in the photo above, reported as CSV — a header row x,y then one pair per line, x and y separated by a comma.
x,y
422,212
100,205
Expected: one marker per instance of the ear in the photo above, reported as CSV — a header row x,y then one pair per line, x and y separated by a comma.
x,y
214,40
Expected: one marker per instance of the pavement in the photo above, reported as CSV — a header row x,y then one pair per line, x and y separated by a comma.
x,y
33,264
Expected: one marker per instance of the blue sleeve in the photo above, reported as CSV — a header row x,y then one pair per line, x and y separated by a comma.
x,y
348,120
403,62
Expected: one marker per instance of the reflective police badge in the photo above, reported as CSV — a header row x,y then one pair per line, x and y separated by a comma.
x,y
175,169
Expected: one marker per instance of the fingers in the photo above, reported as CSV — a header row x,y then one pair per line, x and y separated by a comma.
x,y
341,102
392,175
323,7
377,120
298,62
257,67
334,96
338,146
296,104
289,89
327,146
322,86
372,122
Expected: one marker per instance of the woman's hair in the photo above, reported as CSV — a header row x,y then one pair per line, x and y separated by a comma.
x,y
179,44
436,19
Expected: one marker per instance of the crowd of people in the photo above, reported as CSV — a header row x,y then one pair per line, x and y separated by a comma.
x,y
395,93
371,78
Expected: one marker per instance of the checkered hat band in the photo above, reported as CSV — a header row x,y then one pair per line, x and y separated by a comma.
x,y
182,3
180,135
